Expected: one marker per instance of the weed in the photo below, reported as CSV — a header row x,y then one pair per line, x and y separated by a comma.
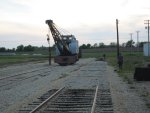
x,y
63,75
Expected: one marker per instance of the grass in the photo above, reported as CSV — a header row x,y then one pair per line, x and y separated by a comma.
x,y
136,59
21,57
131,60
6,60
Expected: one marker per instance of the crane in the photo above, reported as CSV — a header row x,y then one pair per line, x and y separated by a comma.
x,y
66,48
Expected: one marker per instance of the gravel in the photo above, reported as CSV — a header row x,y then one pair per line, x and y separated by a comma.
x,y
125,96
86,73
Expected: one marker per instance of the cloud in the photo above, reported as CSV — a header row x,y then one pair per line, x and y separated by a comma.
x,y
8,27
12,33
13,6
90,21
94,34
124,3
13,40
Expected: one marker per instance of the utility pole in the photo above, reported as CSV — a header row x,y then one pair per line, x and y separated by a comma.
x,y
48,40
131,41
137,39
147,22
117,38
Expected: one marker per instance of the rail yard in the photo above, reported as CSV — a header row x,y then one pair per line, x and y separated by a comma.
x,y
88,86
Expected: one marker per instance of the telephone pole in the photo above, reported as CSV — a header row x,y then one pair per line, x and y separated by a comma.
x,y
117,38
137,39
131,41
147,22
49,49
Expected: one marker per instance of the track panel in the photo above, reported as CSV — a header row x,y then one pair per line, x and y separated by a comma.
x,y
74,101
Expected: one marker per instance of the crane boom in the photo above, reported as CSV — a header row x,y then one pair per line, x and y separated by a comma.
x,y
61,45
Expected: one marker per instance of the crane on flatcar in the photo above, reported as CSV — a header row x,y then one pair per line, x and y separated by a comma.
x,y
67,49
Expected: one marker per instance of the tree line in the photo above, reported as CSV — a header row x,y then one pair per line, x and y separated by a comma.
x,y
30,48
20,48
129,43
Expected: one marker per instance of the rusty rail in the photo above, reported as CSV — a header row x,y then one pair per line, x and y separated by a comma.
x,y
44,102
94,102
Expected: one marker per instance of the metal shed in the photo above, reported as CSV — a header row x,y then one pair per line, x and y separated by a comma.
x,y
146,49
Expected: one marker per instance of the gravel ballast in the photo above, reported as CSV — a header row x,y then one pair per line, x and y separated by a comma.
x,y
86,73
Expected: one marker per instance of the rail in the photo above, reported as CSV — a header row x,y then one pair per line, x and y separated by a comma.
x,y
94,102
44,102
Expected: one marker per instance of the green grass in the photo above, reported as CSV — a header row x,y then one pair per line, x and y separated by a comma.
x,y
25,57
5,60
131,61
136,59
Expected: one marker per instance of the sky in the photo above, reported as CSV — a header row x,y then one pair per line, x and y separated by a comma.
x,y
91,21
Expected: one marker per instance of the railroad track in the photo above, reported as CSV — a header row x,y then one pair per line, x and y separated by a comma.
x,y
22,76
35,70
18,77
72,101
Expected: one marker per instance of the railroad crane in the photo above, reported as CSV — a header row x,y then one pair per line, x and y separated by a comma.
x,y
66,46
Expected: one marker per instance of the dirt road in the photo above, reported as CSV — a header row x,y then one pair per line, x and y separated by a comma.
x,y
29,81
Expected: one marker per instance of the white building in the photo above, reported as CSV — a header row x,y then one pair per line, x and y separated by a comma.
x,y
146,48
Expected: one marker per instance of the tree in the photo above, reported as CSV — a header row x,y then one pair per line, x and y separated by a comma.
x,y
2,49
141,44
130,43
88,46
13,49
29,48
95,45
123,45
112,44
20,48
83,46
101,45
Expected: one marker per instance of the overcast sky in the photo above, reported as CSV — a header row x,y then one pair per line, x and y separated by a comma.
x,y
91,21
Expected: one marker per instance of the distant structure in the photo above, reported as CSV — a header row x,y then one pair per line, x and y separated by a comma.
x,y
146,49
147,27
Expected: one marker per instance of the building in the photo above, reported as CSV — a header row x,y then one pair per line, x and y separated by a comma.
x,y
146,49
